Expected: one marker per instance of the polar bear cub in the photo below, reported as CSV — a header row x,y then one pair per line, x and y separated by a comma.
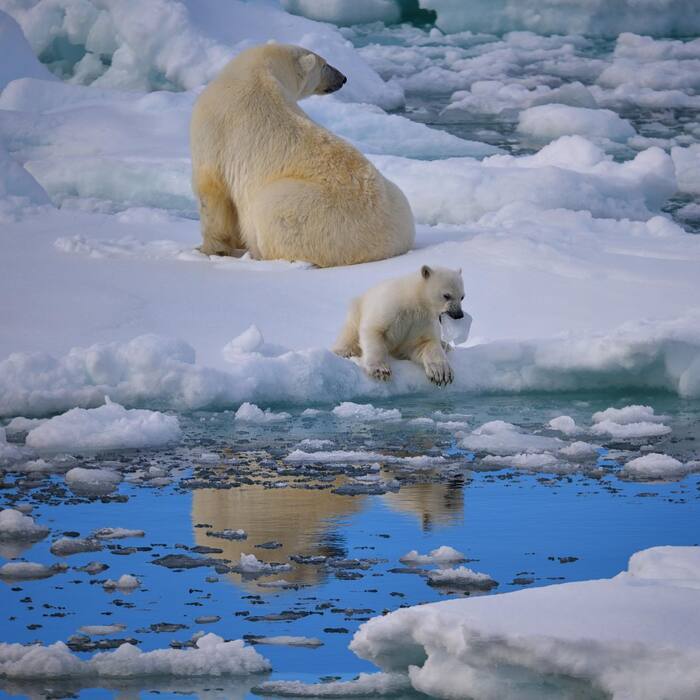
x,y
273,182
401,318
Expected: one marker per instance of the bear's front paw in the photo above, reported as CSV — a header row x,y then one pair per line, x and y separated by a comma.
x,y
380,372
439,373
344,352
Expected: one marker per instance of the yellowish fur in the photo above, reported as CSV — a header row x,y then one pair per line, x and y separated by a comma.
x,y
400,318
274,182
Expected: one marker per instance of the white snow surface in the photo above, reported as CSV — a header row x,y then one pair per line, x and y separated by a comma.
x,y
619,636
211,656
108,427
551,244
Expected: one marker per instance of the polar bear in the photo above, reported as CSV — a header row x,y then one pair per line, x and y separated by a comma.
x,y
273,182
401,318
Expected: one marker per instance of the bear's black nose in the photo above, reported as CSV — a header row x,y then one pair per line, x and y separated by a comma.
x,y
345,80
456,314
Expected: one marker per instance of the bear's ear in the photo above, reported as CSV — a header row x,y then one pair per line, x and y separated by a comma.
x,y
307,62
426,272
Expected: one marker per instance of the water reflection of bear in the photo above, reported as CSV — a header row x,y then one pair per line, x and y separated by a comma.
x,y
433,503
307,521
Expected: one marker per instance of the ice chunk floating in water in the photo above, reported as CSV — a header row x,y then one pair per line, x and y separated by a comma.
x,y
619,637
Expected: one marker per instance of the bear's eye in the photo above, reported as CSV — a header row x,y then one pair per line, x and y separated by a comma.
x,y
462,298
447,297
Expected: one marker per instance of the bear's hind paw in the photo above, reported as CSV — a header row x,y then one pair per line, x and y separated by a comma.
x,y
380,372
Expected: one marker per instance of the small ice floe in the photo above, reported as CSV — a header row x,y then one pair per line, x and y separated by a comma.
x,y
28,571
108,427
126,582
564,424
96,482
314,444
361,456
369,685
579,451
287,641
629,423
422,422
455,330
116,533
442,555
250,413
93,568
368,485
656,466
311,412
65,546
35,467
250,564
207,619
501,438
628,414
9,452
530,461
365,412
279,583
101,630
14,525
462,578
211,656
228,534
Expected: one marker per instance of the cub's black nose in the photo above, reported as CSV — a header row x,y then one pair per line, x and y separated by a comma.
x,y
456,314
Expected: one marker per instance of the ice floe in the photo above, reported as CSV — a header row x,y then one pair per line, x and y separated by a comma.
x,y
211,656
614,636
107,427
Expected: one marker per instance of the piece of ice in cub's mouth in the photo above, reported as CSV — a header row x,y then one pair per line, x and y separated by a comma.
x,y
455,330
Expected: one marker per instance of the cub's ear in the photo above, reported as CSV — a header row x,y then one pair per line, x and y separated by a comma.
x,y
426,272
307,62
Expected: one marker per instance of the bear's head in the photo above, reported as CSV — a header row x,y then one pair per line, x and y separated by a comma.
x,y
443,290
318,77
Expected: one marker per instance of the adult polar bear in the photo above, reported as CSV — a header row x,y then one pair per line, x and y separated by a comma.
x,y
272,181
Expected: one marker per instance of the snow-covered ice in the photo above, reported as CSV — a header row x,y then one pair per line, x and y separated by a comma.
x,y
502,438
18,526
440,555
211,656
364,412
656,465
107,427
96,481
250,413
619,636
125,583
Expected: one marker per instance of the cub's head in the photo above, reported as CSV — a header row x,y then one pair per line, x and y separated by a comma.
x,y
444,290
317,77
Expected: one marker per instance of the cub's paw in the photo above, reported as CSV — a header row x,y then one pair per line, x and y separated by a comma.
x,y
379,372
344,352
439,373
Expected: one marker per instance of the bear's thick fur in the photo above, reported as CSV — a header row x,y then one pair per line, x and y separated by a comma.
x,y
273,182
401,318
